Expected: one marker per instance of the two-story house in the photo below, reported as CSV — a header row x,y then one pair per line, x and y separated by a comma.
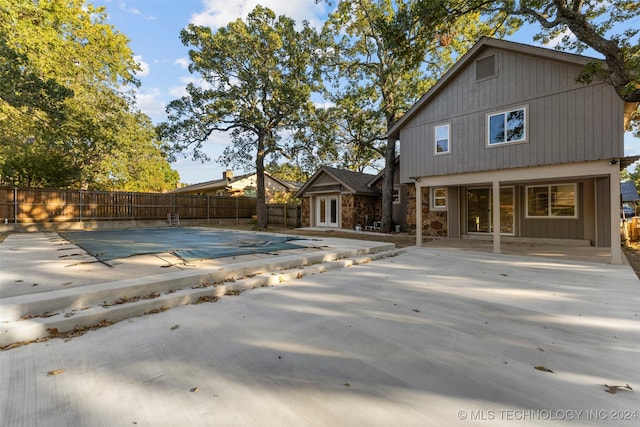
x,y
507,140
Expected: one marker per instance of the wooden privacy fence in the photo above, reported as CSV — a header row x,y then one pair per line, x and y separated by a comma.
x,y
19,206
284,215
37,205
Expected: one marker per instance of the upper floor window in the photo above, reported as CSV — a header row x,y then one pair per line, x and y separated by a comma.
x,y
442,139
507,126
544,201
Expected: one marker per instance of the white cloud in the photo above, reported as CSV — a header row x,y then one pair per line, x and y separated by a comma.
x,y
182,62
149,102
123,6
178,91
132,10
218,13
144,67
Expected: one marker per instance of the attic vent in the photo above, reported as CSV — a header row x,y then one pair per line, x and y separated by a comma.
x,y
486,67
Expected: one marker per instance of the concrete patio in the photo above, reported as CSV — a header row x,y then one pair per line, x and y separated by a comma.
x,y
432,336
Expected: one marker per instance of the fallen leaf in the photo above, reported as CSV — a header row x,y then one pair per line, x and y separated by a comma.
x,y
542,368
55,372
346,385
416,310
194,390
613,389
174,327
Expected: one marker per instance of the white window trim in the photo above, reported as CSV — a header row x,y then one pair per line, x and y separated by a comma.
x,y
508,110
434,198
435,139
396,188
549,216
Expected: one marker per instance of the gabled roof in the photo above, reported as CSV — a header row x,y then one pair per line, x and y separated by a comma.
x,y
355,182
222,183
467,59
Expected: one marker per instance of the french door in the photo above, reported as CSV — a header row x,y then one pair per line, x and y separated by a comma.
x,y
327,211
479,210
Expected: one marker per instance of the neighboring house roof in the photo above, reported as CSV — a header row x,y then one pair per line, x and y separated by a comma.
x,y
220,184
354,182
467,59
628,192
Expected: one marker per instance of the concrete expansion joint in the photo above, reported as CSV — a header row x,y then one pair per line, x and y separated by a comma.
x,y
76,313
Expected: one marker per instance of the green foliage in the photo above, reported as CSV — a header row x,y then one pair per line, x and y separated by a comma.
x,y
288,172
258,77
64,95
630,174
140,162
284,197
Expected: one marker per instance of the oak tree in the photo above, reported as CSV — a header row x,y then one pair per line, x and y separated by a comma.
x,y
66,80
257,78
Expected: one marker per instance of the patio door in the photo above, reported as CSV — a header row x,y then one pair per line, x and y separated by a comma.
x,y
479,210
327,211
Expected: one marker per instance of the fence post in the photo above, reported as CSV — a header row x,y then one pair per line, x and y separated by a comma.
x,y
237,208
15,205
208,203
79,205
286,210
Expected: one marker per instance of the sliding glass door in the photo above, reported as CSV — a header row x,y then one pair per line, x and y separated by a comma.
x,y
479,210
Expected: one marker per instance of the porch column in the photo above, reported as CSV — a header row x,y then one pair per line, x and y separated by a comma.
x,y
418,215
614,185
496,216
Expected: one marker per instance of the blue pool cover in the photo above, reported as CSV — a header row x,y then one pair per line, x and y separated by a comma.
x,y
189,244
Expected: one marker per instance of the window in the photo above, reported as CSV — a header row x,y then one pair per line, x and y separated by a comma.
x,y
552,201
485,68
506,127
396,195
439,199
442,139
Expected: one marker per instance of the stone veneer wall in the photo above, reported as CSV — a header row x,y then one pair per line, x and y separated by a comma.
x,y
434,223
355,209
305,212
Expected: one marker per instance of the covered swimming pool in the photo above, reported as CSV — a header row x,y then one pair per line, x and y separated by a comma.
x,y
187,243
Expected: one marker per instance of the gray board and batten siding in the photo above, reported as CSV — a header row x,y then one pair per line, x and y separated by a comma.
x,y
566,121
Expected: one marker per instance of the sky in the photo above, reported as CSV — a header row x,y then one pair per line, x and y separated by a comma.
x,y
153,28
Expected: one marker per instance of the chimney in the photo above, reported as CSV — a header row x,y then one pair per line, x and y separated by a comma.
x,y
227,175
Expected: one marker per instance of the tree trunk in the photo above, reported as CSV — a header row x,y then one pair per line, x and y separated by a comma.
x,y
387,185
261,204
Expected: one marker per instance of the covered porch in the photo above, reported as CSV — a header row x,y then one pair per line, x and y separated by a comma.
x,y
594,218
